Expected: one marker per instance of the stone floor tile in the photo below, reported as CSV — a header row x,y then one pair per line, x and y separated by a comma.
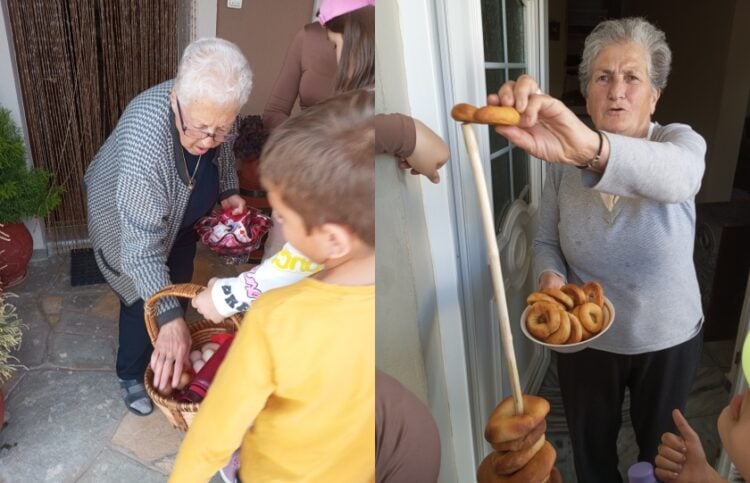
x,y
627,450
52,304
82,351
86,323
709,393
61,421
107,306
722,351
85,301
150,438
113,467
33,351
706,427
43,276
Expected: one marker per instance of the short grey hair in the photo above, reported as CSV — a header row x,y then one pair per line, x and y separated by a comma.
x,y
624,30
213,70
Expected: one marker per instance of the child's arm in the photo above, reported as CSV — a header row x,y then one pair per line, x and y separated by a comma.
x,y
416,146
681,458
430,153
237,395
228,296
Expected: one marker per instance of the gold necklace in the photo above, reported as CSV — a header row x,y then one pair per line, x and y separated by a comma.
x,y
195,171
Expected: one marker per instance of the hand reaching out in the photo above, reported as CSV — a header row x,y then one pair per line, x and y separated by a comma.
x,y
430,153
205,305
681,458
170,354
548,129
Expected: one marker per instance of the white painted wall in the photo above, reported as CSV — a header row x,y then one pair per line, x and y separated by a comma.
x,y
10,98
419,334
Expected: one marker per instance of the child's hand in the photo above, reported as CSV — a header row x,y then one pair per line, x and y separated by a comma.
x,y
205,306
681,458
430,153
734,430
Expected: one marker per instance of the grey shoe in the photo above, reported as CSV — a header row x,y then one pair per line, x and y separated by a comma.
x,y
135,396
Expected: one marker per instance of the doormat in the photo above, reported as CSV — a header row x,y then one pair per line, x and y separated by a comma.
x,y
83,268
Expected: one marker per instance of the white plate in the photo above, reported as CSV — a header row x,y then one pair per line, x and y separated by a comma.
x,y
568,348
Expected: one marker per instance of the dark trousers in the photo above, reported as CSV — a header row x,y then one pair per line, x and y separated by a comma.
x,y
593,385
134,351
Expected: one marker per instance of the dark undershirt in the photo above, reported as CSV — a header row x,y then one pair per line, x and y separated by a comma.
x,y
204,196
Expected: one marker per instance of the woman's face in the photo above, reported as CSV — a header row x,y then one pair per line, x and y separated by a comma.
x,y
734,431
201,118
620,97
338,40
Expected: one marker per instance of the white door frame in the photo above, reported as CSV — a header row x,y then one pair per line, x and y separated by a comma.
x,y
442,69
445,357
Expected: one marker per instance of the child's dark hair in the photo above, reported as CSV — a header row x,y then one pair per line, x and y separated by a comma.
x,y
322,163
357,64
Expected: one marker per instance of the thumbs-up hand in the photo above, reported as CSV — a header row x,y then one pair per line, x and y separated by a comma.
x,y
681,458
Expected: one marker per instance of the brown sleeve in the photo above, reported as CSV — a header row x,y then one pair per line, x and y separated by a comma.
x,y
395,134
284,93
407,441
319,67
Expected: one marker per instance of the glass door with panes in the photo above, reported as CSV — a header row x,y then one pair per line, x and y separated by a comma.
x,y
488,42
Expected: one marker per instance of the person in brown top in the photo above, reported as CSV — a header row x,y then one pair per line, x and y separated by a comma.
x,y
308,72
407,442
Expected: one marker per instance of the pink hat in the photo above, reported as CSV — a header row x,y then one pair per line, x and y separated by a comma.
x,y
330,9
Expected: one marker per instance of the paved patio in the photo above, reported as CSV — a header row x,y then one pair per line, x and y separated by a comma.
x,y
66,420
67,423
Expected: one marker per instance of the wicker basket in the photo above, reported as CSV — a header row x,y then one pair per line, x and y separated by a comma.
x,y
178,413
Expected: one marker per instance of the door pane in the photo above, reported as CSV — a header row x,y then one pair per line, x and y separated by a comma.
x,y
494,79
501,187
520,173
492,26
515,73
515,25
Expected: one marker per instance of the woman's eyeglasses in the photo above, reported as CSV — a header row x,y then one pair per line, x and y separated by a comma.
x,y
218,135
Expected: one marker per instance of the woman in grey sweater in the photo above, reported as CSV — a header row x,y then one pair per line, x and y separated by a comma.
x,y
625,219
165,165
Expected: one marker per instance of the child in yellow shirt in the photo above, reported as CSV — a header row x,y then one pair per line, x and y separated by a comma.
x,y
296,391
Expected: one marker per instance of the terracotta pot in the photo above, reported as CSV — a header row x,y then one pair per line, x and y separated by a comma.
x,y
248,174
16,248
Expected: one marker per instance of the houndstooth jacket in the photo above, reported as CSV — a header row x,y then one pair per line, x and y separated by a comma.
x,y
136,189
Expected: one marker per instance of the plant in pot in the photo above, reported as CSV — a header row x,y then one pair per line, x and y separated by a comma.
x,y
24,193
247,148
10,340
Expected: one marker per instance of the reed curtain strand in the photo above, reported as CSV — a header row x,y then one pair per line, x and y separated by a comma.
x,y
79,64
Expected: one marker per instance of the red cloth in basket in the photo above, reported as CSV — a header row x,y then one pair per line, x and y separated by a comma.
x,y
228,234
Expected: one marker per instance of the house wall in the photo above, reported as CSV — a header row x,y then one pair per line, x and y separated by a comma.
x,y
263,30
403,263
10,98
710,79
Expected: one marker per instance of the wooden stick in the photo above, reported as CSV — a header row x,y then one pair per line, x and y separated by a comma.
x,y
506,336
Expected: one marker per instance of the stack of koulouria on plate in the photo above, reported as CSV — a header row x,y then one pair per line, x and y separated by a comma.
x,y
521,452
567,315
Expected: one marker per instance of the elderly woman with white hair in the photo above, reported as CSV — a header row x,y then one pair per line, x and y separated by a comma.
x,y
625,219
165,165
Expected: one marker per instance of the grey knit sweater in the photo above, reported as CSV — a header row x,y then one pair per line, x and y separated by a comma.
x,y
137,194
642,251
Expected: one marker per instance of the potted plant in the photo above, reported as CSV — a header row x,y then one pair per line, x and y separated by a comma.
x,y
247,149
24,193
10,340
